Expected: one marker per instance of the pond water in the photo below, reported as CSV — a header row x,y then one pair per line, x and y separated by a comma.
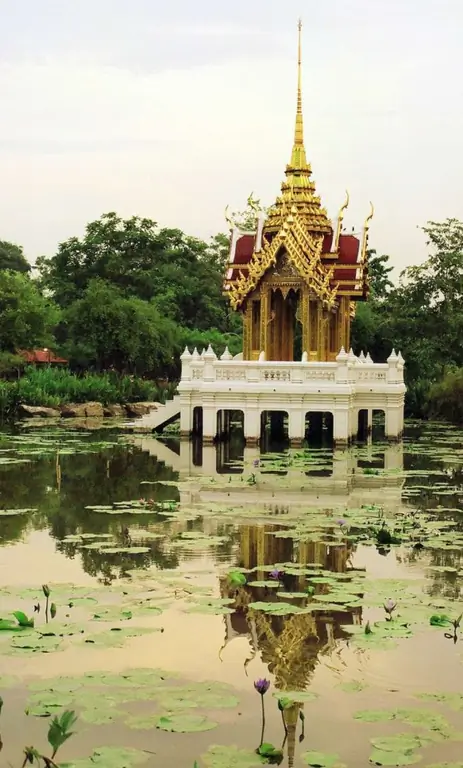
x,y
180,574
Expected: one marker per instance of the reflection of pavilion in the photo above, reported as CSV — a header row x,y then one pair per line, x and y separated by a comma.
x,y
290,645
229,467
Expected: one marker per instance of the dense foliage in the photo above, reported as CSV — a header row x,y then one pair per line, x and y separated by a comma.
x,y
129,295
53,387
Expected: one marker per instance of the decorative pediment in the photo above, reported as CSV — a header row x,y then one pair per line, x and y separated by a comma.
x,y
300,257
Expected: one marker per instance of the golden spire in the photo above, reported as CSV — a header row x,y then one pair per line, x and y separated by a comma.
x,y
298,157
298,189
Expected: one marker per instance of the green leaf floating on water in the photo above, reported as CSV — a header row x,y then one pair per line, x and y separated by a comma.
x,y
231,757
236,579
353,686
110,757
295,697
116,636
378,757
321,760
182,723
215,610
440,620
375,715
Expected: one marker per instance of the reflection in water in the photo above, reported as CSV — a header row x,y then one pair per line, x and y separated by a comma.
x,y
290,645
203,486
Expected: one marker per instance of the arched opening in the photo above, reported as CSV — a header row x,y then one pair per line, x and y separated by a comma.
x,y
319,429
229,422
285,330
274,430
230,448
379,426
362,425
197,420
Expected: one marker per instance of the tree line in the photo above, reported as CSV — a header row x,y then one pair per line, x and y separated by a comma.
x,y
129,295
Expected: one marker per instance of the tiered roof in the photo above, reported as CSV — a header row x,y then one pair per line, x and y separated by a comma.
x,y
331,262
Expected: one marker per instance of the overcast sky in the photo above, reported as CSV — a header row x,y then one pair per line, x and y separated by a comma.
x,y
173,109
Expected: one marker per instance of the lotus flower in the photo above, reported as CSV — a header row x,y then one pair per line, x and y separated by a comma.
x,y
276,574
256,463
341,522
389,606
262,685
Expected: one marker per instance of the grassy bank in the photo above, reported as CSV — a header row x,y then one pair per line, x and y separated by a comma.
x,y
52,387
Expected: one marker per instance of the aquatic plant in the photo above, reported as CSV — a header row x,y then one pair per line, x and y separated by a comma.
x,y
389,607
46,592
59,732
276,574
262,685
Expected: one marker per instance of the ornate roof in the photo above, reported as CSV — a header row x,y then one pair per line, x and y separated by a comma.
x,y
331,263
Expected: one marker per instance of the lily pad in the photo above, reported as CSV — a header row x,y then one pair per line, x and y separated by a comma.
x,y
182,723
375,715
110,757
353,686
379,757
231,757
320,760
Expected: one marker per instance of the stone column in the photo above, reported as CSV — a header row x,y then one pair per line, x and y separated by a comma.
x,y
370,421
209,423
252,426
296,427
341,425
394,421
186,417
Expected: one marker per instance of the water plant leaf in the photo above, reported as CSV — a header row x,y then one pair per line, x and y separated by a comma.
x,y
231,757
22,619
375,715
440,620
116,636
320,760
353,686
236,578
401,742
184,723
379,757
295,697
110,757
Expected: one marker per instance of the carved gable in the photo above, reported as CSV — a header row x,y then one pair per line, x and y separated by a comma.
x,y
285,267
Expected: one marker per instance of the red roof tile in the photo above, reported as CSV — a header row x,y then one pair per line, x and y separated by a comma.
x,y
41,356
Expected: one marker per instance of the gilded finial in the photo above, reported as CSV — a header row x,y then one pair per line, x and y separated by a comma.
x,y
366,227
298,158
340,220
345,204
228,218
253,203
370,215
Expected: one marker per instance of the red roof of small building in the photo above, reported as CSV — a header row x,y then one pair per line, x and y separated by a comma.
x,y
41,356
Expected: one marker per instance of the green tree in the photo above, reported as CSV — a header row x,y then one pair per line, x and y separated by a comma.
x,y
378,273
12,257
27,319
182,274
107,329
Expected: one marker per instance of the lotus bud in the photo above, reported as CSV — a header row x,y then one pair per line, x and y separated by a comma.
x,y
389,606
262,685
46,590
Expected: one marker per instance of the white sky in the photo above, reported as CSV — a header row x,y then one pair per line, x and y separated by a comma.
x,y
172,110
